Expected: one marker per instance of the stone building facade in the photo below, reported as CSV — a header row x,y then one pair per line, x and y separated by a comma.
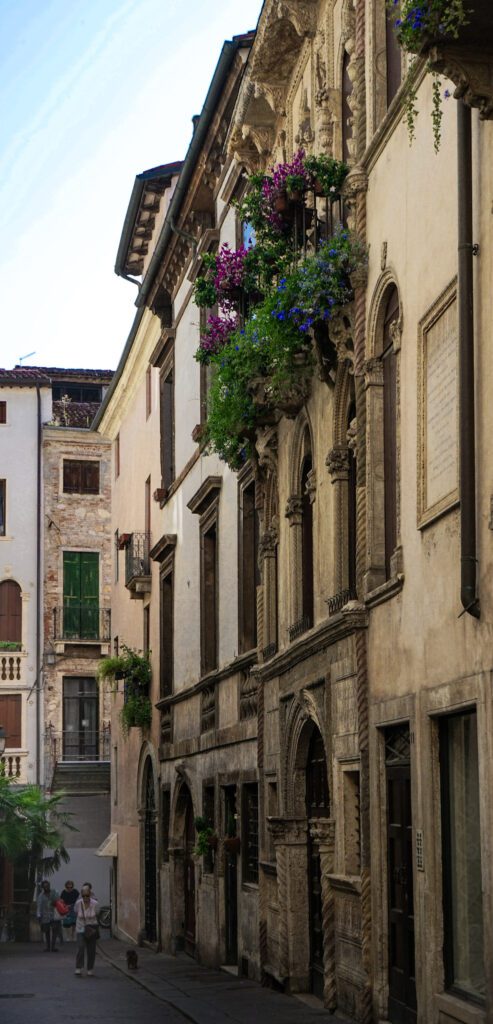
x,y
355,730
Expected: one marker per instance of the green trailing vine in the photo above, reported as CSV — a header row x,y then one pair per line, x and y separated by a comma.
x,y
135,670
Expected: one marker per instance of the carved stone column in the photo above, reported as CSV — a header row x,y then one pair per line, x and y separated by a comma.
x,y
337,463
290,843
267,610
322,832
294,513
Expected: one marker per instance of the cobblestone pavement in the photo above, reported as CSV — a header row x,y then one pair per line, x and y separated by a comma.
x,y
40,986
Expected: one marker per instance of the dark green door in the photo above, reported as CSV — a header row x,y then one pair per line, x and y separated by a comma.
x,y
80,595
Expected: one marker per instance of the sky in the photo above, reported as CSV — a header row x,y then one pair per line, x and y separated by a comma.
x,y
92,92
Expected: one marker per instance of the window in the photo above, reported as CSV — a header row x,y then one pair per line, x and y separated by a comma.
x,y
10,612
209,815
147,506
168,428
114,775
146,629
167,626
3,412
306,544
250,833
389,360
249,574
347,88
165,816
80,476
77,392
80,595
10,718
80,719
3,507
148,392
117,551
209,599
461,852
117,456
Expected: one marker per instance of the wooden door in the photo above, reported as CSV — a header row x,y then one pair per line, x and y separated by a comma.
x,y
402,983
189,880
317,806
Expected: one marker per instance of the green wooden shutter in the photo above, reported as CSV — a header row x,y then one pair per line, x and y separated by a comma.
x,y
81,594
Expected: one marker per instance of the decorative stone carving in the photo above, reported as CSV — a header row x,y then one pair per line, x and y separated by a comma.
x,y
341,335
208,709
294,507
287,831
311,485
373,371
472,73
305,134
337,462
301,13
166,732
395,330
249,686
268,542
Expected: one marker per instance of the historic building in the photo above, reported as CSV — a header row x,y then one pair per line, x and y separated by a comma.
x,y
318,621
54,588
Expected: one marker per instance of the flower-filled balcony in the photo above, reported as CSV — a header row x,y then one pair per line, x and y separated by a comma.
x,y
278,302
457,40
138,577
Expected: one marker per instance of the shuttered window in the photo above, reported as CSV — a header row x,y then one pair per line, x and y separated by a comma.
x,y
10,612
3,412
168,429
3,510
209,599
249,568
11,719
166,634
80,476
81,594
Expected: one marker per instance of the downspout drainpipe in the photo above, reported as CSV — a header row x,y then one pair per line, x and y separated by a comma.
x,y
469,598
39,610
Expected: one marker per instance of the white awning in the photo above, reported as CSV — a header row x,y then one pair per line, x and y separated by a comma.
x,y
109,846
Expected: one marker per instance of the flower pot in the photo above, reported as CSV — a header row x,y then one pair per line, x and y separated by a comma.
x,y
281,203
296,196
232,844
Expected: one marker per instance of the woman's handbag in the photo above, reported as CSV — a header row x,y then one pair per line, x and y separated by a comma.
x,y
91,931
69,919
61,907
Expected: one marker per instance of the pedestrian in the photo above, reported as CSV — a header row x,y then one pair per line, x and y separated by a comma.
x,y
70,895
45,910
86,929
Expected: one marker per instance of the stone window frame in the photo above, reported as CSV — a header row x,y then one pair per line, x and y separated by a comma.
x,y
205,503
302,446
377,587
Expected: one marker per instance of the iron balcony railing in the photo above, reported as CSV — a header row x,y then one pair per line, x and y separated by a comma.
x,y
85,745
137,561
81,622
300,627
337,602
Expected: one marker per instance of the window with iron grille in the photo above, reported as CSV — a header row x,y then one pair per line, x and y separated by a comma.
x,y
250,833
80,476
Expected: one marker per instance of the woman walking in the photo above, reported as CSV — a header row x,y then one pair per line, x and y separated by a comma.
x,y
86,930
69,895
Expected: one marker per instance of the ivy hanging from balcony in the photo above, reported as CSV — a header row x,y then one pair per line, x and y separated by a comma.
x,y
419,26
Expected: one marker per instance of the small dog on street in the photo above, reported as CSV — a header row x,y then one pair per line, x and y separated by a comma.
x,y
132,960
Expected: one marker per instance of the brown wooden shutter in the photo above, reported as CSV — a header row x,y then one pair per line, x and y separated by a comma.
x,y
167,429
3,412
11,719
10,611
71,476
90,477
249,571
166,634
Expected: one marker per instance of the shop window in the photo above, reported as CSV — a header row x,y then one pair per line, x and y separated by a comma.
x,y
461,852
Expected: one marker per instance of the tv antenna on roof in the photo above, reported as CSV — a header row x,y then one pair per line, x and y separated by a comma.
x,y
29,354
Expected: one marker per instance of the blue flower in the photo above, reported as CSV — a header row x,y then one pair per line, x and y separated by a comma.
x,y
446,94
237,348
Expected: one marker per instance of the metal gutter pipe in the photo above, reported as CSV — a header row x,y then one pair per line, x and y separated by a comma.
x,y
467,446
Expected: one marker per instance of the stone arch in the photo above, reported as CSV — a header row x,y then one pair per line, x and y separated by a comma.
x,y
303,716
301,522
383,287
182,875
301,443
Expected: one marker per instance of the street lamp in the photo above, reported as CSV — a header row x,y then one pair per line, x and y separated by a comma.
x,y
3,739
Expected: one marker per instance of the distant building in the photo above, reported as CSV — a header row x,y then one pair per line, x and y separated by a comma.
x,y
54,586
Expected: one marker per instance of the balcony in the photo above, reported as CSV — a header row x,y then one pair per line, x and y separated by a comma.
x,y
138,577
11,667
468,58
81,624
77,760
13,766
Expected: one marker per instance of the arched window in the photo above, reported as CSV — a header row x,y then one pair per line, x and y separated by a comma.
x,y
389,361
306,543
347,88
10,612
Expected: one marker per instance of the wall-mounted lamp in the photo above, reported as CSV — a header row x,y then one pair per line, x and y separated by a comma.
x,y
3,740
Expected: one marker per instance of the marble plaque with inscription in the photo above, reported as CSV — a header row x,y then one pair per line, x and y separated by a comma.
x,y
438,471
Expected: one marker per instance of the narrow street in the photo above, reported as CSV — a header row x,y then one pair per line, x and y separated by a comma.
x,y
35,984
